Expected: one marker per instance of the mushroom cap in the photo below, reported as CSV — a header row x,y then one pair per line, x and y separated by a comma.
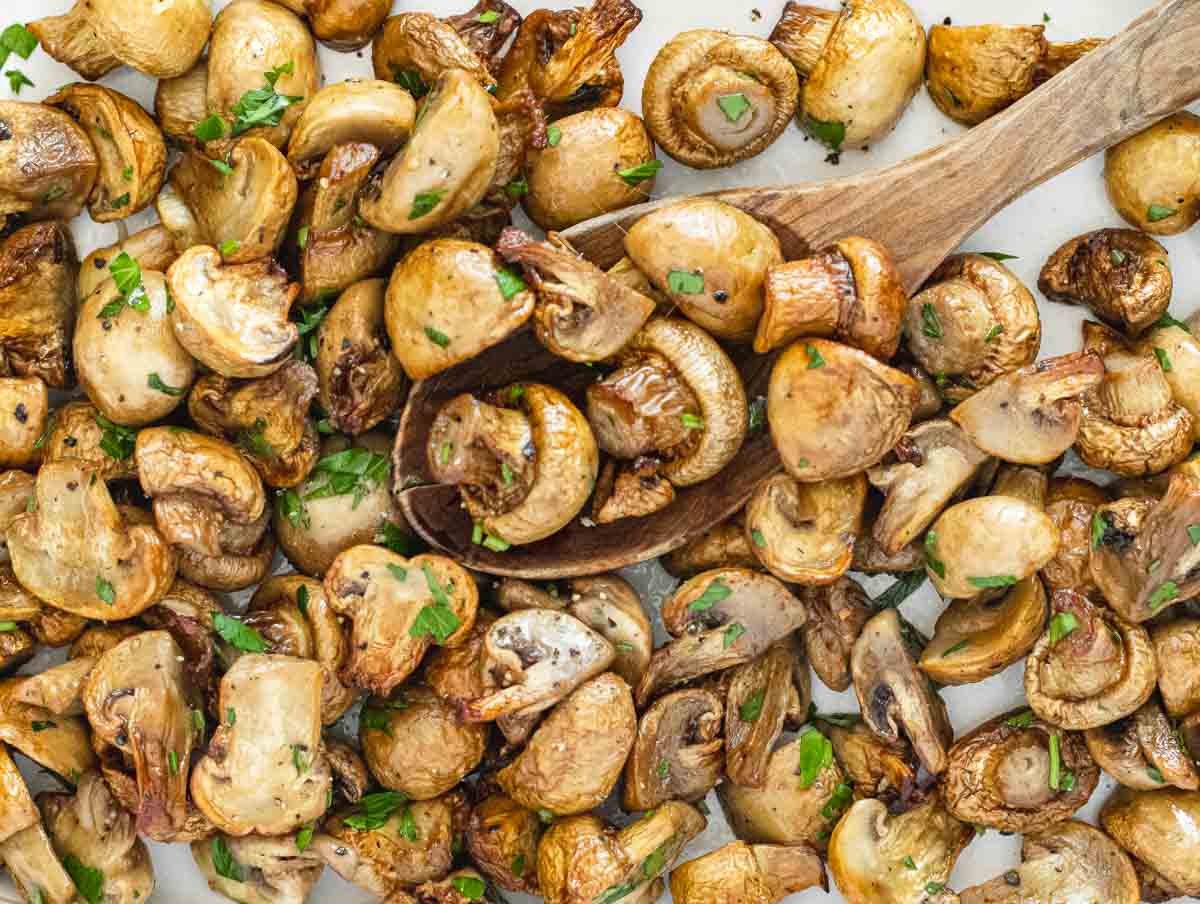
x,y
366,111
847,86
37,184
728,250
1183,351
682,729
578,177
1144,751
425,46
975,71
725,545
1152,177
24,419
607,604
1071,504
153,248
502,838
836,615
1161,829
181,102
711,98
980,637
838,410
1068,861
999,774
232,317
748,874
1178,643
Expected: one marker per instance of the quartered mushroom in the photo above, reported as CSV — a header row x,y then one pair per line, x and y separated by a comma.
x,y
583,314
676,395
748,873
24,419
804,533
399,608
37,299
870,849
712,98
1175,646
264,771
719,619
973,72
1071,503
756,704
581,859
710,260
1017,773
502,838
417,745
843,409
1122,275
1160,830
19,811
1144,751
859,66
897,700
535,658
1151,176
268,869
979,637
1101,671
683,730
57,743
837,613
370,111
344,25
1068,861
849,291
77,551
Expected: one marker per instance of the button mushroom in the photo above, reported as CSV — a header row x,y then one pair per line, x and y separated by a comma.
x,y
1151,177
676,394
580,859
1068,861
37,300
1017,773
678,753
415,49
846,100
56,742
24,419
370,111
76,551
447,164
874,767
849,291
1101,671
1071,504
1174,341
447,301
264,771
232,317
895,697
94,38
153,248
749,874
344,25
1144,751
980,637
19,812
973,72
836,615
502,837
835,410
1176,645
258,869
756,705
870,852
710,259
1159,829
973,323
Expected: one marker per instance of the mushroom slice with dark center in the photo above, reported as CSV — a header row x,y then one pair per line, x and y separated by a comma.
x,y
896,699
138,701
719,618
844,409
1143,558
583,314
1121,274
678,753
630,490
574,758
1151,176
24,420
502,838
1071,861
850,291
366,111
712,98
78,552
1144,751
233,317
268,869
264,771
1161,829
37,184
836,615
399,608
1017,773
37,299
267,419
749,874
1101,671
536,657
755,707
930,465
870,849
1176,645
1031,415
980,637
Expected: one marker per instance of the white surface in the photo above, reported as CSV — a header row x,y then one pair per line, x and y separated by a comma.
x,y
1031,228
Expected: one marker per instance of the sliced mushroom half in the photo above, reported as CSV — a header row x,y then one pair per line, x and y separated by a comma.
x,y
683,730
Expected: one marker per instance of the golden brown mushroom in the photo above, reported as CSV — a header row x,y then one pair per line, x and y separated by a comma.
x,y
683,731
55,742
749,874
153,248
723,545
1144,751
1159,829
1152,177
35,184
1175,646
414,50
342,24
264,868
502,837
24,420
1071,504
837,613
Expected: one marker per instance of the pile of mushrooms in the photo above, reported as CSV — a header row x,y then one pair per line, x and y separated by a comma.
x,y
223,624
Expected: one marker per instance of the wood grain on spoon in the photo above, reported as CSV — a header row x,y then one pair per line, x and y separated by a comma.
x,y
921,209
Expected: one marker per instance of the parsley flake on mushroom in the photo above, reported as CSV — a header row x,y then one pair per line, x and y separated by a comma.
x,y
1151,176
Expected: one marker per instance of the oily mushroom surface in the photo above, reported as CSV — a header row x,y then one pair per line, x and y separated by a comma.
x,y
1151,176
1158,828
24,415
39,185
1144,751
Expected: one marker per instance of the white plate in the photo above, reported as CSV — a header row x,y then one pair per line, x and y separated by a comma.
x,y
1031,228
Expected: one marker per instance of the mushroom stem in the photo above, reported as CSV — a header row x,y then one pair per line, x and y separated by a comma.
x,y
804,298
1059,56
1134,389
71,39
801,34
672,825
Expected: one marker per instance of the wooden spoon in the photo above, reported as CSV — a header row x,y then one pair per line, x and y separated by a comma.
x,y
921,209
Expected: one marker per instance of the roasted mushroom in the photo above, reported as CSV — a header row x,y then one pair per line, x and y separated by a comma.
x,y
710,259
836,615
748,874
1176,645
153,248
37,185
1159,829
24,420
370,111
414,49
1101,670
1151,177
55,742
973,72
264,771
756,705
683,731
1071,503
502,838
723,545
1144,751
612,608
258,869
850,291
873,766
859,66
